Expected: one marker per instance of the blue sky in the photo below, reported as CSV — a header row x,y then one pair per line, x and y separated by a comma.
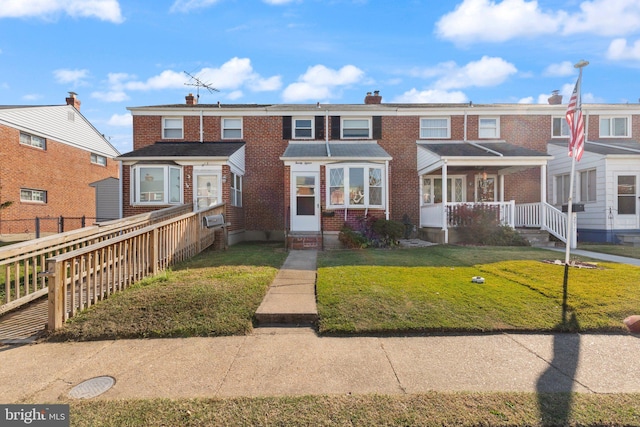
x,y
122,53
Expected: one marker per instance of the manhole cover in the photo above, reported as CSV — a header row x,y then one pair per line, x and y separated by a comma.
x,y
92,388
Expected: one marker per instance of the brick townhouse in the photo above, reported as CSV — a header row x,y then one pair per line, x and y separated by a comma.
x,y
53,162
301,171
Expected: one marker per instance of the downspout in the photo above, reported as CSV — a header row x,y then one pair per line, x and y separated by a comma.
x,y
120,213
386,195
201,127
465,126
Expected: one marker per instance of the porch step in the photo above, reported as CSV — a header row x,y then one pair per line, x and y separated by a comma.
x,y
304,241
629,239
536,237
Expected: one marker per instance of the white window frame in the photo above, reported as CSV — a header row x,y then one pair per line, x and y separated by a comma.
x,y
33,141
367,167
34,196
170,124
344,120
311,127
632,196
489,132
161,196
428,197
564,127
229,125
611,120
236,190
99,160
424,128
559,190
588,192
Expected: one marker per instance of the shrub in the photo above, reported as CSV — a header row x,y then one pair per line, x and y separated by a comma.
x,y
388,232
372,231
352,239
480,224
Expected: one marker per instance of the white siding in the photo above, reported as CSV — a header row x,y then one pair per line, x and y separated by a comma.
x,y
62,123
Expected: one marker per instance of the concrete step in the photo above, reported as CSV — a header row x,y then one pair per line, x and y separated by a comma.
x,y
536,237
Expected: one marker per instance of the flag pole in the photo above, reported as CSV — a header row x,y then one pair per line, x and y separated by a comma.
x,y
573,153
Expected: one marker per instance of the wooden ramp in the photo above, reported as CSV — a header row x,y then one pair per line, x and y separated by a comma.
x,y
24,325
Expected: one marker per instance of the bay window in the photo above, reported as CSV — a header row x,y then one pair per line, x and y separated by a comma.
x,y
355,186
156,184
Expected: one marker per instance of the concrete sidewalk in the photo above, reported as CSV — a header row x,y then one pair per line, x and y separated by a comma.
x,y
297,362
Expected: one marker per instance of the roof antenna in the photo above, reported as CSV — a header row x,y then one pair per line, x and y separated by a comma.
x,y
198,84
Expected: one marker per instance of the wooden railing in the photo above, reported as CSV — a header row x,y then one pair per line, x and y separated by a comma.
x,y
431,215
80,278
21,263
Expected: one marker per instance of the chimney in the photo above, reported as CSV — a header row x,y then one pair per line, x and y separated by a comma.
x,y
555,98
73,100
191,100
373,99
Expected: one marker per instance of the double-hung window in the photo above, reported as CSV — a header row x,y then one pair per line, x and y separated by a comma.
x,y
614,127
232,128
31,195
303,127
562,188
156,184
560,128
489,127
356,128
236,190
432,189
435,127
356,186
97,159
32,140
172,128
588,185
627,194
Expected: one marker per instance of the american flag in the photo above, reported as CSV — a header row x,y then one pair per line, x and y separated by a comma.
x,y
576,124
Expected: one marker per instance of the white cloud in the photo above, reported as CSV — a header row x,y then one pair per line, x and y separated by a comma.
x,y
121,120
497,21
619,50
320,82
527,100
110,96
605,18
487,71
431,96
487,20
168,79
185,6
76,77
562,69
236,94
105,10
32,96
265,85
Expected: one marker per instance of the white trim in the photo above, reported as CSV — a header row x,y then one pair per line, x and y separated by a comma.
x,y
223,128
312,127
610,118
496,134
447,118
165,127
344,119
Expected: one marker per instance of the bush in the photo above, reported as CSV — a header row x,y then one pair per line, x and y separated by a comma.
x,y
480,225
376,232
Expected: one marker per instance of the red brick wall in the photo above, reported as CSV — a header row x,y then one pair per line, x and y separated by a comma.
x,y
64,172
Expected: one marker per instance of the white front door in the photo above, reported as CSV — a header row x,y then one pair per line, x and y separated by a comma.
x,y
627,201
207,190
305,201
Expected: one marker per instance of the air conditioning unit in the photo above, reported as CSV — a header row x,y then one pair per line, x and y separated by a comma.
x,y
214,221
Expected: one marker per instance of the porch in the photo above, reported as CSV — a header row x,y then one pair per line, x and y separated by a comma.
x,y
437,220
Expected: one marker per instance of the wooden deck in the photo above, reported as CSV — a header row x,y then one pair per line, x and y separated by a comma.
x,y
24,325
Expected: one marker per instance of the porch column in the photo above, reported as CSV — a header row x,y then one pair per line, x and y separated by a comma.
x,y
501,180
445,222
543,195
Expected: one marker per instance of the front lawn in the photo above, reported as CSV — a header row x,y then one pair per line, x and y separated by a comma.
x,y
215,293
431,290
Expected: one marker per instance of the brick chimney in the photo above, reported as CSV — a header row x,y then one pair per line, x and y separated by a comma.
x,y
191,100
73,100
555,98
373,99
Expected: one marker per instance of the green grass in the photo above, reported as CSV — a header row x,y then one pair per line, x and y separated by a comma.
x,y
215,293
432,409
430,290
620,250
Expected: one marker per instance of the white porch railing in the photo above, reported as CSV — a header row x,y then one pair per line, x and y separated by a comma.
x,y
548,218
536,215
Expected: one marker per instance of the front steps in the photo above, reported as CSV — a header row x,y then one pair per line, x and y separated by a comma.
x,y
536,237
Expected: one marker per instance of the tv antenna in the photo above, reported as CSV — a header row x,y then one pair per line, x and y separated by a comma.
x,y
195,81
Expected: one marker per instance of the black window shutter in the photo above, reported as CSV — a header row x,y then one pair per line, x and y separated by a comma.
x,y
335,127
319,127
377,127
286,127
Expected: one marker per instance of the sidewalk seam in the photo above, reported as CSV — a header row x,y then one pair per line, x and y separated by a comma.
x,y
230,367
393,368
